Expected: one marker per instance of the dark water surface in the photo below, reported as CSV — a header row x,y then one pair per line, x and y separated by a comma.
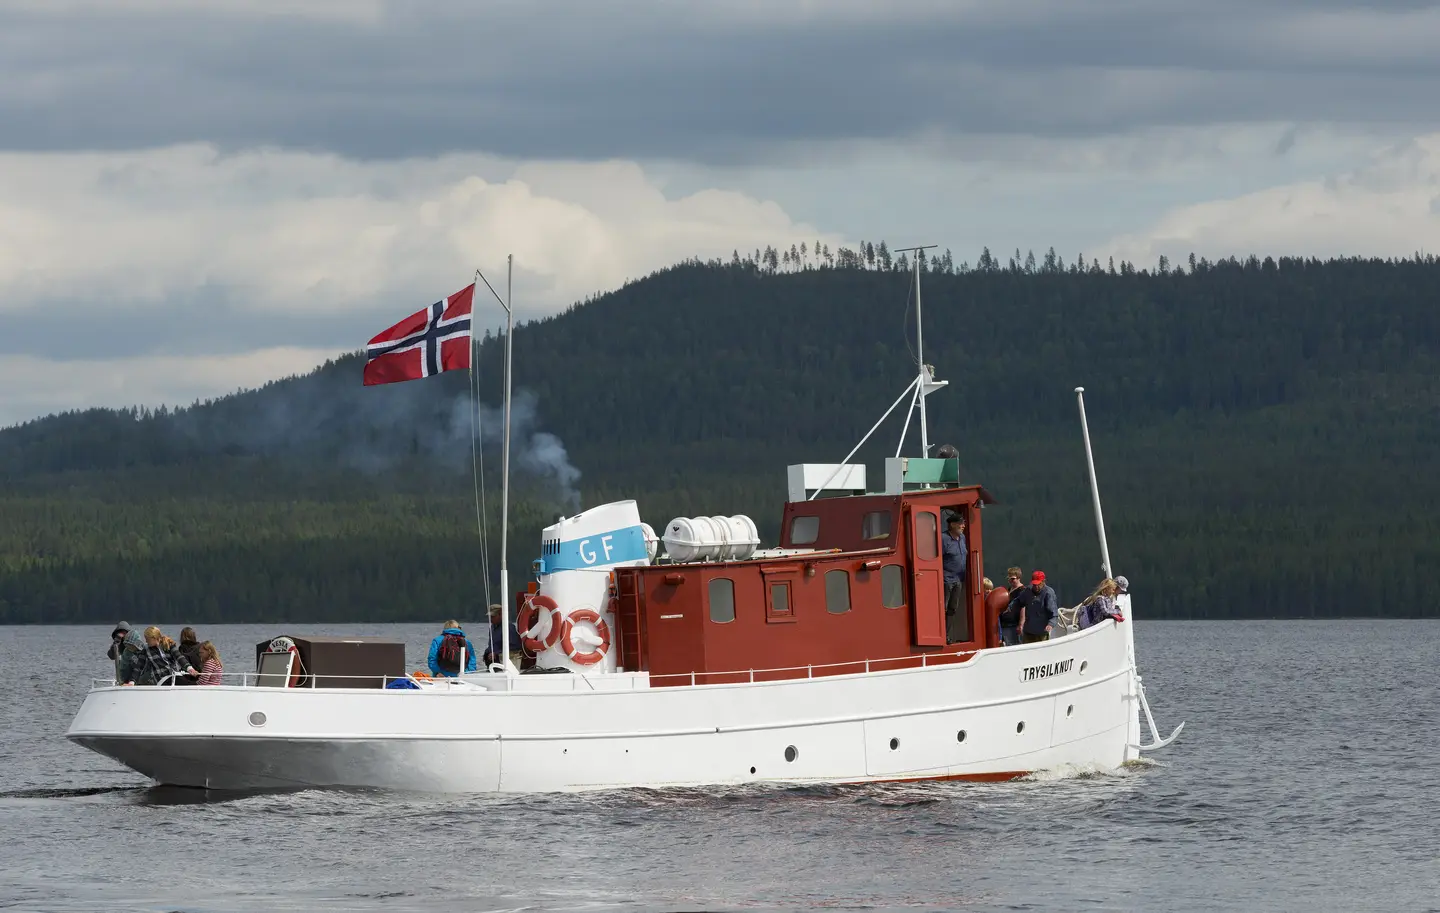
x,y
1306,779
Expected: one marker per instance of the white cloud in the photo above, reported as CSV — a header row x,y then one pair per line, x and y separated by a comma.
x,y
39,386
295,240
1388,207
285,230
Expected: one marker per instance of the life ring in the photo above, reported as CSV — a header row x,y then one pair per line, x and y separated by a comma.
x,y
286,645
529,614
567,644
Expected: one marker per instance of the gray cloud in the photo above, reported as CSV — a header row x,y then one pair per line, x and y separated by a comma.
x,y
711,84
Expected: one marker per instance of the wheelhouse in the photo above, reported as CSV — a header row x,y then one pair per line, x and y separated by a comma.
x,y
856,584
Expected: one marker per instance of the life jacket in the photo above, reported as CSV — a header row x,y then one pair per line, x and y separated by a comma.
x,y
448,656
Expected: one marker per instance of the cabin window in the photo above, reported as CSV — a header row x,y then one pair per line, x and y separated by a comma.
x,y
837,592
804,530
722,600
876,525
892,586
779,599
927,541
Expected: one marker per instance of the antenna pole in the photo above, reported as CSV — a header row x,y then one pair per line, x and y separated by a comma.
x,y
1094,486
920,356
504,657
923,374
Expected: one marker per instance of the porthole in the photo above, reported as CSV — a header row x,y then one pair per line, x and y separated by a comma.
x,y
1070,711
894,744
752,770
257,719
960,736
1020,727
1084,664
791,753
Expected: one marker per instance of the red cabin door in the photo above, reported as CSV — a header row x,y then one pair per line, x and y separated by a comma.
x,y
927,577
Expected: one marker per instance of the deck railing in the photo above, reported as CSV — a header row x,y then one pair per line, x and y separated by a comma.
x,y
581,681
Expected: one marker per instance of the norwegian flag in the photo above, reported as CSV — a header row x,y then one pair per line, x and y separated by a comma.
x,y
427,342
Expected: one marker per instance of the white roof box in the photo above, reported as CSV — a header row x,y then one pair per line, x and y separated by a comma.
x,y
834,478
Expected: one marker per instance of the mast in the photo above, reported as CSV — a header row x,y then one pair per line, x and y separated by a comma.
x,y
505,474
922,386
924,380
505,462
1094,486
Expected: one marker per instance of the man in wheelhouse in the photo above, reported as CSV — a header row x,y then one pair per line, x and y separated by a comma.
x,y
954,553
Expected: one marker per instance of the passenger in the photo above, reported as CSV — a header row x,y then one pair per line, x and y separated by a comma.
x,y
445,651
955,553
1010,618
987,585
117,646
1100,605
190,650
497,644
156,663
130,657
211,671
1122,585
1039,611
117,640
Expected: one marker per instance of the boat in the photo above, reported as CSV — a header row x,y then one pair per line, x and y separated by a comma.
x,y
827,658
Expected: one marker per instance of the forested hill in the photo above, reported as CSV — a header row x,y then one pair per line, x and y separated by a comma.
x,y
1265,434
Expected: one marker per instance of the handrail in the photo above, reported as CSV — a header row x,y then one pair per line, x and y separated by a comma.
x,y
696,678
920,660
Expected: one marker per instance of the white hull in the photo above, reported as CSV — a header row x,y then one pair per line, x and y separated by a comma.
x,y
546,735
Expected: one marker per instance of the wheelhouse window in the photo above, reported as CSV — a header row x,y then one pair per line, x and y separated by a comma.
x,y
780,599
876,525
722,600
927,536
837,592
892,586
804,530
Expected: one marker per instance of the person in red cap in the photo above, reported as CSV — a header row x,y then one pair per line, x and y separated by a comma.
x,y
1039,610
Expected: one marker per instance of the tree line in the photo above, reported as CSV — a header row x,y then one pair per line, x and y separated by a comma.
x,y
1265,435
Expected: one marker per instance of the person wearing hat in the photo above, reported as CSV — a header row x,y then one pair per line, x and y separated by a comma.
x,y
117,646
497,643
953,557
1039,611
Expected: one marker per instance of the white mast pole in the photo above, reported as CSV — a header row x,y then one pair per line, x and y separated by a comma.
x,y
504,658
923,379
1094,486
920,356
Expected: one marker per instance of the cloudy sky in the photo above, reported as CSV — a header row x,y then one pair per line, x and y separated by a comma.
x,y
198,196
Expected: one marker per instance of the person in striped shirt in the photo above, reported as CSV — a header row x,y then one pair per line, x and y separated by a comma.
x,y
212,670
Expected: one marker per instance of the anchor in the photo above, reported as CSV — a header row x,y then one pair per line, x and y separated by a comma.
x,y
1150,718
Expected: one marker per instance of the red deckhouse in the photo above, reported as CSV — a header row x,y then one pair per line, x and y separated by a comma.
x,y
855,579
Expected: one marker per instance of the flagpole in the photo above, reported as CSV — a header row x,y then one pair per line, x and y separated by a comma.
x,y
505,473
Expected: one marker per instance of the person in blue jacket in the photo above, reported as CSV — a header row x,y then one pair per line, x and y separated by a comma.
x,y
445,651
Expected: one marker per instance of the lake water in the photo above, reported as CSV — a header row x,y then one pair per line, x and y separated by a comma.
x,y
1305,780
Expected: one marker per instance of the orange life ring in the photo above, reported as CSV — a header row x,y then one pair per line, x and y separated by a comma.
x,y
601,628
529,614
